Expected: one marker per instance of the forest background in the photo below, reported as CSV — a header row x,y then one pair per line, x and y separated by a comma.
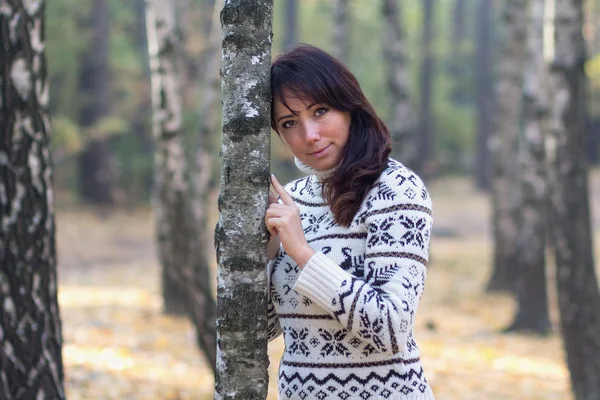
x,y
103,157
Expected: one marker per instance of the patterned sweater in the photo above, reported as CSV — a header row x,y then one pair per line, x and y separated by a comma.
x,y
347,316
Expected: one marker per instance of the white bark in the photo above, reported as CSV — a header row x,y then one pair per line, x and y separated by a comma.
x,y
241,236
532,304
186,279
31,364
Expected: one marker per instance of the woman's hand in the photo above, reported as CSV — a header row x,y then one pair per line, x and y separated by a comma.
x,y
274,242
283,220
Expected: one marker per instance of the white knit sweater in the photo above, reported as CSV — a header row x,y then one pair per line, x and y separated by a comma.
x,y
347,316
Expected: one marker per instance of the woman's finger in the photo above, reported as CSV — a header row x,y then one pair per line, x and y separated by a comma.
x,y
272,198
285,197
272,223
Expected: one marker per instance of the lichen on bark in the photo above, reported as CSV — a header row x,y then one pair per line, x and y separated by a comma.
x,y
241,236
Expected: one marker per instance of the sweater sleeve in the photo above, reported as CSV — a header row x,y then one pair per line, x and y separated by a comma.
x,y
380,307
273,327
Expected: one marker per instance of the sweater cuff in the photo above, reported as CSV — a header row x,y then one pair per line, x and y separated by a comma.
x,y
320,279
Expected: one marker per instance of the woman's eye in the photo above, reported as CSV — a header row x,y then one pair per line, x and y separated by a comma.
x,y
320,111
287,124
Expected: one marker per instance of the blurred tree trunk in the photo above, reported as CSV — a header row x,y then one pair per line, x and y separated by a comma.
x,y
240,235
532,304
210,88
483,93
592,37
459,66
140,123
341,31
425,142
401,122
291,24
578,297
31,364
505,193
186,286
95,164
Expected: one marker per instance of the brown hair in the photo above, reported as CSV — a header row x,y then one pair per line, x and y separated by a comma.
x,y
310,73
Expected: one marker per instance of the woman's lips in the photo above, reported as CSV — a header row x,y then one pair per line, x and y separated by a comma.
x,y
320,152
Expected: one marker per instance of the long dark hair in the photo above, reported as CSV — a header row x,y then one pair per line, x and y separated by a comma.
x,y
309,73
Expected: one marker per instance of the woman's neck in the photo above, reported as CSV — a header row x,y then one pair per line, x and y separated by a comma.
x,y
307,169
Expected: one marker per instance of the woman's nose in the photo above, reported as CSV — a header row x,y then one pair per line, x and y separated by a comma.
x,y
312,133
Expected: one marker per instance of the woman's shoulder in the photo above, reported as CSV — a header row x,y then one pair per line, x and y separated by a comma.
x,y
297,186
398,182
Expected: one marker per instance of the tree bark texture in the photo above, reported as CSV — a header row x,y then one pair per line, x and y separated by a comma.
x,y
532,304
483,92
30,329
505,131
579,300
96,169
241,235
425,132
402,122
341,31
185,271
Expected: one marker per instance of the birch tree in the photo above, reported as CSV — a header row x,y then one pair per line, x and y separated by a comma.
x,y
402,123
578,297
504,139
532,304
31,364
241,235
341,31
180,238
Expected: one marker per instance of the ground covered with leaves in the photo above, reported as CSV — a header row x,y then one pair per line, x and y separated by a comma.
x,y
119,345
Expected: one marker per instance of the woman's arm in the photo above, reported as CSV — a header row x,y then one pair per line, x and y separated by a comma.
x,y
273,326
380,307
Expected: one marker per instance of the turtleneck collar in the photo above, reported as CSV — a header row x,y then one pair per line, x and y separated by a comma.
x,y
307,169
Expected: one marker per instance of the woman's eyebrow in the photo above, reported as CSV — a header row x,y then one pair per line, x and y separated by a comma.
x,y
291,115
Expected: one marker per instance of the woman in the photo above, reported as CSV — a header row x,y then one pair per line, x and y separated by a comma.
x,y
349,244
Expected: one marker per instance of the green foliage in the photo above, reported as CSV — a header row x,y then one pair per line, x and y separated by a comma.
x,y
65,135
106,127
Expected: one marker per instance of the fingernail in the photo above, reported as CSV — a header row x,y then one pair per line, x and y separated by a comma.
x,y
273,176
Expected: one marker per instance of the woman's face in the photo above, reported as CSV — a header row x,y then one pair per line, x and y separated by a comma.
x,y
314,132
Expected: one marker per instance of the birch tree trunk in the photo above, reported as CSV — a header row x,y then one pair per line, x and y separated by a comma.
x,y
341,31
30,328
578,297
240,235
532,304
483,92
425,136
95,164
402,122
184,266
505,183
